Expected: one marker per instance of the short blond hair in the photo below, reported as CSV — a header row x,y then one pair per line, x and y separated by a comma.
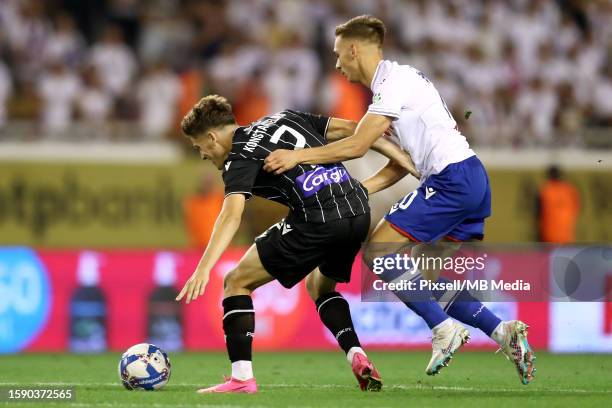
x,y
363,27
210,112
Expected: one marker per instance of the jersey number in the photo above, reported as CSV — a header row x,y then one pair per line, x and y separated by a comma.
x,y
300,139
405,203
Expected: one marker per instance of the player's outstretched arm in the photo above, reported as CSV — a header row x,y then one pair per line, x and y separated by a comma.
x,y
224,230
340,128
387,176
370,128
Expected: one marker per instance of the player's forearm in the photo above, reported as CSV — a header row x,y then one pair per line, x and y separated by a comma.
x,y
388,175
394,153
345,149
339,129
223,232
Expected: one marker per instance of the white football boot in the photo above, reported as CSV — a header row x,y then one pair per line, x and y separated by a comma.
x,y
446,340
515,347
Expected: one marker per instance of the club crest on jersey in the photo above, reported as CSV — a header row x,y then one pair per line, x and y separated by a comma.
x,y
313,181
376,98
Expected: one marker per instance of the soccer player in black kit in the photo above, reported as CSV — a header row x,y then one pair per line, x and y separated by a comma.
x,y
328,220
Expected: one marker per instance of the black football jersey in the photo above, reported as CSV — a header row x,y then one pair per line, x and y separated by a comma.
x,y
313,193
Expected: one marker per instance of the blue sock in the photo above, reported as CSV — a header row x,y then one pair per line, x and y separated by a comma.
x,y
419,301
467,309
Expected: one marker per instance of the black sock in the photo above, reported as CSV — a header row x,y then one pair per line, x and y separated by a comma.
x,y
239,327
336,316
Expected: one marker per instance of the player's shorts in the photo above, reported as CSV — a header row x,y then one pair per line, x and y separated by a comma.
x,y
290,251
452,204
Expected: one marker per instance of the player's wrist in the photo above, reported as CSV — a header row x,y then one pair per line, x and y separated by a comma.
x,y
202,271
300,156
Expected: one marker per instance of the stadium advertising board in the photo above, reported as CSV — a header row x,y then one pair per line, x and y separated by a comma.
x,y
76,205
88,301
140,206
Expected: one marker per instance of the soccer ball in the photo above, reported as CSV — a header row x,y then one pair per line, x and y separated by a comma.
x,y
144,367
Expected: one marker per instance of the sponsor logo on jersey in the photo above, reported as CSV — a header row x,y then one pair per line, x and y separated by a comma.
x,y
313,181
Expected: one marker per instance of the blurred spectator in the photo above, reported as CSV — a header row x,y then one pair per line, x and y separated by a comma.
x,y
484,115
65,44
226,70
6,87
27,31
193,82
602,98
293,75
536,108
95,104
451,27
510,70
489,37
529,30
158,94
58,89
568,35
125,14
24,104
252,100
570,117
553,68
114,61
483,75
343,99
201,211
558,208
599,16
164,34
415,20
210,28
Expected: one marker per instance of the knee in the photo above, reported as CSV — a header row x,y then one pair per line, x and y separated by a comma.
x,y
319,285
233,282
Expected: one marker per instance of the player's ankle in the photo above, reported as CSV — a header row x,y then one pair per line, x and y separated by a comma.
x,y
242,370
352,351
443,325
498,334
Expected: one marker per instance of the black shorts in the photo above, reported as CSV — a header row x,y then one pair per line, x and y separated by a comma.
x,y
290,251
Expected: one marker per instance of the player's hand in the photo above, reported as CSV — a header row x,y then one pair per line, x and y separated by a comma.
x,y
279,161
194,287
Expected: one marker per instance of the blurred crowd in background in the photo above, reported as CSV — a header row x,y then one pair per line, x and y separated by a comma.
x,y
514,73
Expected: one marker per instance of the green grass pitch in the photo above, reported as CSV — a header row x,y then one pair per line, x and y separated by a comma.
x,y
324,379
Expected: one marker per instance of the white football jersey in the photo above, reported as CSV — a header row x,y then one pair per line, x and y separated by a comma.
x,y
421,123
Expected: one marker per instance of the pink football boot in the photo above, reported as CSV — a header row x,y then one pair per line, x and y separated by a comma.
x,y
232,385
365,372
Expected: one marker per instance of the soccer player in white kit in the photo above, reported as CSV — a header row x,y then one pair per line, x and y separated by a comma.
x,y
451,203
